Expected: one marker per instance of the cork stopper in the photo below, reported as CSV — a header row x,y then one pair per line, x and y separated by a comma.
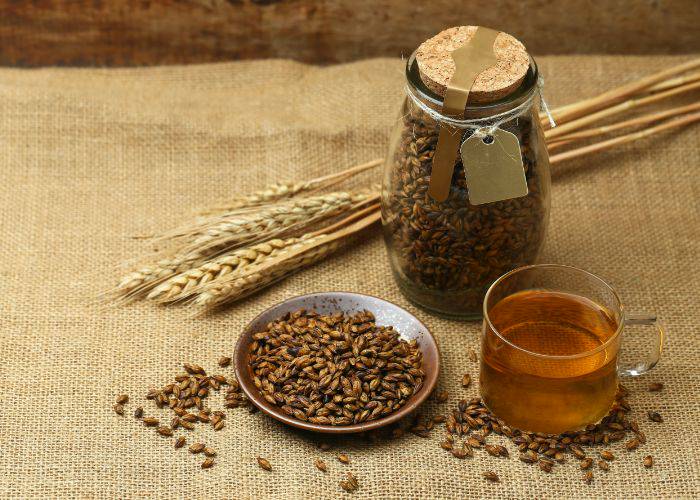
x,y
436,66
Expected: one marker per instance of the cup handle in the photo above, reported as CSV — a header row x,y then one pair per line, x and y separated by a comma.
x,y
654,354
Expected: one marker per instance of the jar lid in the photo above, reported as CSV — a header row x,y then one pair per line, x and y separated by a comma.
x,y
436,66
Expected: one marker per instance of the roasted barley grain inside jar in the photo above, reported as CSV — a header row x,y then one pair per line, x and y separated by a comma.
x,y
446,251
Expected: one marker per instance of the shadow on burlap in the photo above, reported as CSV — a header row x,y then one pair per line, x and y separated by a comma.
x,y
91,158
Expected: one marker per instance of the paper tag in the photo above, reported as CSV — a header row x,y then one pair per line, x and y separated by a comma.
x,y
494,167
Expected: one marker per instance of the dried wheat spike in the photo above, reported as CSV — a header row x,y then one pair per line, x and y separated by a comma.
x,y
232,288
271,193
142,280
183,285
281,191
271,222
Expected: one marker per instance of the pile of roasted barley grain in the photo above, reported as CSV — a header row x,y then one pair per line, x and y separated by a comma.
x,y
186,397
469,425
335,369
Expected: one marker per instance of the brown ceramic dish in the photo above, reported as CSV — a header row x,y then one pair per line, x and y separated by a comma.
x,y
385,313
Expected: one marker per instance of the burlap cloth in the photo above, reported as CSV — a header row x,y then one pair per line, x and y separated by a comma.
x,y
91,158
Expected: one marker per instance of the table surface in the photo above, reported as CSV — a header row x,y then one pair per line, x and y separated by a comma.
x,y
92,158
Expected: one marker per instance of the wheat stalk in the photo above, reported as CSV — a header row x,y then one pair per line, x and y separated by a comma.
x,y
276,192
645,119
181,286
622,139
614,96
627,105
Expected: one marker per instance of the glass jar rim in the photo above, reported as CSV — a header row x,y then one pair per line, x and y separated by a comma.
x,y
562,267
516,98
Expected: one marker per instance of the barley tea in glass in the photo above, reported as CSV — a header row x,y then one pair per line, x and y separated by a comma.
x,y
550,348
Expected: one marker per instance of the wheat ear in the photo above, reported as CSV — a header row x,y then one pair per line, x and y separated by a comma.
x,y
247,284
138,282
276,192
181,286
289,218
253,278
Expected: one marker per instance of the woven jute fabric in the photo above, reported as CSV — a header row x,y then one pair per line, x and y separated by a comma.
x,y
92,159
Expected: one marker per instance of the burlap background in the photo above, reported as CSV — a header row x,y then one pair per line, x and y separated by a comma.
x,y
90,158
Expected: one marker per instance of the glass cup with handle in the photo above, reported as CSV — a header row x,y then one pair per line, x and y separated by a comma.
x,y
550,348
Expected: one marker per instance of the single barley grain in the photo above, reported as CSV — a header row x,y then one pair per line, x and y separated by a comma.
x,y
648,461
656,386
343,458
118,409
194,369
264,464
463,452
208,463
632,444
122,399
164,431
196,447
321,465
180,442
442,396
491,476
655,416
641,436
352,479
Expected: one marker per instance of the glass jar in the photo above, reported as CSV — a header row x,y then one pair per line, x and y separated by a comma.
x,y
444,255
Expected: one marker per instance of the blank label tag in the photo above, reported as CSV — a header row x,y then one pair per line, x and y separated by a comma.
x,y
494,170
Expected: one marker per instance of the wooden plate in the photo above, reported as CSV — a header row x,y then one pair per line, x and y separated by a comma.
x,y
386,314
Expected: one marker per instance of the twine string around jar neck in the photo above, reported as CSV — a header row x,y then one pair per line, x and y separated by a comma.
x,y
482,127
545,106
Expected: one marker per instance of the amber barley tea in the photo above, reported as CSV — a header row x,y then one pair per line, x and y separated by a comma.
x,y
559,376
550,345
